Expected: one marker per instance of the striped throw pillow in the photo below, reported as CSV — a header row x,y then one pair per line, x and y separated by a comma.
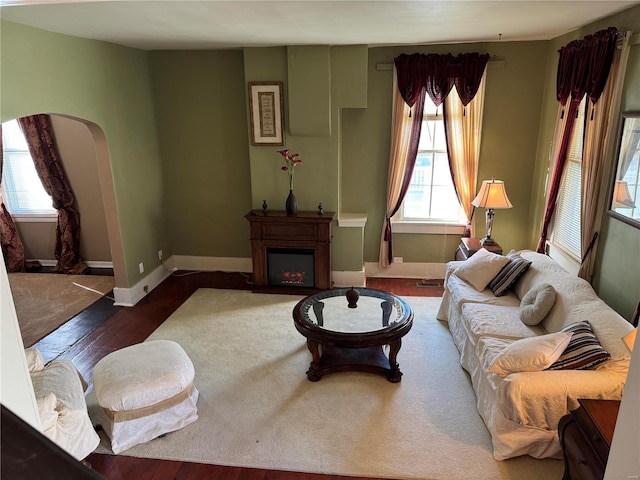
x,y
583,352
509,275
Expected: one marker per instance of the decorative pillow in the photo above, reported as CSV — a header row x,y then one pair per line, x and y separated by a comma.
x,y
536,303
509,275
583,352
480,268
531,354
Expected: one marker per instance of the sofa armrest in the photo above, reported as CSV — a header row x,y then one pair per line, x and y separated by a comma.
x,y
60,386
450,268
540,399
35,360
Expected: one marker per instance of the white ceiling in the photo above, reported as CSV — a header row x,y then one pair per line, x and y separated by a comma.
x,y
209,24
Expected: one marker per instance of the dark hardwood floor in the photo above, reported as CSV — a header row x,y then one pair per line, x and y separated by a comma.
x,y
127,326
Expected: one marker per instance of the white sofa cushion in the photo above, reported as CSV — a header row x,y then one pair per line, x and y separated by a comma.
x,y
480,268
499,321
531,354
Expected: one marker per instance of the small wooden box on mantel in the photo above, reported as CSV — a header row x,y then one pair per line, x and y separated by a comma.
x,y
276,230
469,246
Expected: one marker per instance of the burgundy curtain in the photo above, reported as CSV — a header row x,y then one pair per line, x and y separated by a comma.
x,y
412,154
583,69
12,247
39,134
438,73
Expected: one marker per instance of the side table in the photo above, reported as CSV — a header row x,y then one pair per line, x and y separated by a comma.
x,y
469,246
585,437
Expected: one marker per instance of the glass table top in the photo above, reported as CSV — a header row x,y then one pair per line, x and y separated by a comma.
x,y
373,310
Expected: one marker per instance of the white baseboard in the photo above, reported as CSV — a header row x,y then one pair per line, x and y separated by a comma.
x,y
128,297
428,271
348,279
90,264
211,264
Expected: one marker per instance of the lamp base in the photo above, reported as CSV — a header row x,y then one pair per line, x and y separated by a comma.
x,y
488,241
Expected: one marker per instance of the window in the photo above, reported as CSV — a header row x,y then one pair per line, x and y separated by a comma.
x,y
566,226
431,198
23,190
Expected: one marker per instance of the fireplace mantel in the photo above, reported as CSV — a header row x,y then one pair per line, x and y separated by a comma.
x,y
302,231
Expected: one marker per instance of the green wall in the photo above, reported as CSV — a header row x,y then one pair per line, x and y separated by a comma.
x,y
509,136
200,108
108,85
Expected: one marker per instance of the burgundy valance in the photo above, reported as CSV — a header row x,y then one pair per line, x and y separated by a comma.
x,y
438,73
583,66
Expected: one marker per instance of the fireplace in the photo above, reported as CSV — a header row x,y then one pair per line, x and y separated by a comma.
x,y
290,253
290,267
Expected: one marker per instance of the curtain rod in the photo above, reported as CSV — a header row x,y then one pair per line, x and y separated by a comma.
x,y
494,62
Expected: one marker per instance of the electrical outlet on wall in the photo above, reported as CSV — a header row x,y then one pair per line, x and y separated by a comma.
x,y
160,257
141,267
398,259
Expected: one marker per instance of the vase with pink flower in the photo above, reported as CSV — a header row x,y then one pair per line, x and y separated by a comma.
x,y
291,160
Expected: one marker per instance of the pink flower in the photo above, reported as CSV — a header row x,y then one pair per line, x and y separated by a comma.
x,y
291,159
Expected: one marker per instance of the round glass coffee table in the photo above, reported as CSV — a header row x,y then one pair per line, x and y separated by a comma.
x,y
347,328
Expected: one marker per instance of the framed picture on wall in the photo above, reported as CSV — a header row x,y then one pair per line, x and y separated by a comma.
x,y
267,113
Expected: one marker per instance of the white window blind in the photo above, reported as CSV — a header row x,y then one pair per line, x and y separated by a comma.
x,y
566,229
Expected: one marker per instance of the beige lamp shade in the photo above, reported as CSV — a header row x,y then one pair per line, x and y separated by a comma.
x,y
492,194
630,338
622,196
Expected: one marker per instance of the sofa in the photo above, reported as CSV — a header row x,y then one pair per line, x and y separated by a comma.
x,y
59,390
528,371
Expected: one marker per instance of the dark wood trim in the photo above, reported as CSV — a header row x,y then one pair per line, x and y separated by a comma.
x,y
304,230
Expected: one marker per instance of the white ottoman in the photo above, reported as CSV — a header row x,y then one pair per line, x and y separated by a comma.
x,y
144,391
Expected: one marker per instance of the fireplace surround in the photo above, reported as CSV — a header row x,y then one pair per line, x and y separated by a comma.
x,y
290,253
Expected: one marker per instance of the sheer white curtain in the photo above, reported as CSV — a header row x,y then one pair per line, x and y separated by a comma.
x,y
404,122
463,127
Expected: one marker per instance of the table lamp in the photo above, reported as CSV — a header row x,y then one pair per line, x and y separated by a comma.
x,y
492,195
622,195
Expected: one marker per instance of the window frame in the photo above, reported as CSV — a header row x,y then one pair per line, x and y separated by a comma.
x,y
559,251
21,216
401,224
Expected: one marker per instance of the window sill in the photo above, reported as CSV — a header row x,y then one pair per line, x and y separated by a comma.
x,y
563,258
35,218
427,228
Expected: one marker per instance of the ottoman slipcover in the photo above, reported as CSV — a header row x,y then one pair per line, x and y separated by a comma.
x,y
144,391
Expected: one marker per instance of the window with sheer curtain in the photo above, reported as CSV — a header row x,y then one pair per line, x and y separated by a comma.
x,y
431,197
431,204
24,194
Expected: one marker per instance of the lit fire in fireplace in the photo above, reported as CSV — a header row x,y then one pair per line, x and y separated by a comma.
x,y
293,278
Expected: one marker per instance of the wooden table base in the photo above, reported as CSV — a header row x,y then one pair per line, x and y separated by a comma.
x,y
330,359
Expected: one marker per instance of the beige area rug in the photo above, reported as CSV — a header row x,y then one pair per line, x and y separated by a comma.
x,y
44,301
257,408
